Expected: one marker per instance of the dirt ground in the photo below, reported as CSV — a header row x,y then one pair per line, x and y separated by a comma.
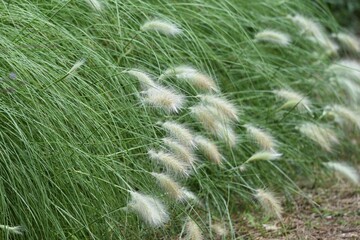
x,y
330,212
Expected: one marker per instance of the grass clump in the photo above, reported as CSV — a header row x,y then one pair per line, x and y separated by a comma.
x,y
94,78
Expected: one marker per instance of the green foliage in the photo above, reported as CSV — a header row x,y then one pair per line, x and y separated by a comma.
x,y
72,147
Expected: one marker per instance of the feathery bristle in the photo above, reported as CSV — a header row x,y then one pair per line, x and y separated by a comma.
x,y
314,32
150,209
164,98
75,67
219,230
199,80
173,71
13,230
170,162
261,137
346,68
273,36
179,132
222,105
207,116
350,42
145,79
343,115
227,134
264,155
182,152
161,26
95,4
269,202
325,137
192,230
293,99
209,149
351,88
172,188
190,196
345,170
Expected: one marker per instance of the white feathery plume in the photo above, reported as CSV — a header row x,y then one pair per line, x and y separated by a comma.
x,y
182,152
293,99
222,105
172,188
144,78
199,80
192,230
219,230
209,149
173,71
314,32
346,68
261,137
214,122
75,67
325,137
345,170
170,162
95,4
190,196
348,41
164,98
161,26
227,134
351,88
151,210
14,230
179,132
264,155
207,116
191,75
269,202
343,115
273,36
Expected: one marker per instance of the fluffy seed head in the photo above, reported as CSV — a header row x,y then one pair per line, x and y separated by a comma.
x,y
182,152
172,188
264,155
293,99
273,36
351,89
346,68
164,98
261,137
269,202
199,80
192,230
170,162
180,132
145,79
161,26
75,67
149,209
207,116
314,32
219,229
222,105
325,137
348,41
95,4
13,230
343,115
173,71
209,149
345,170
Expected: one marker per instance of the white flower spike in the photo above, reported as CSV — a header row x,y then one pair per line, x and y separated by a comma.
x,y
161,26
150,209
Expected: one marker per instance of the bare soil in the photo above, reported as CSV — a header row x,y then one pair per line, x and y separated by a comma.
x,y
330,211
